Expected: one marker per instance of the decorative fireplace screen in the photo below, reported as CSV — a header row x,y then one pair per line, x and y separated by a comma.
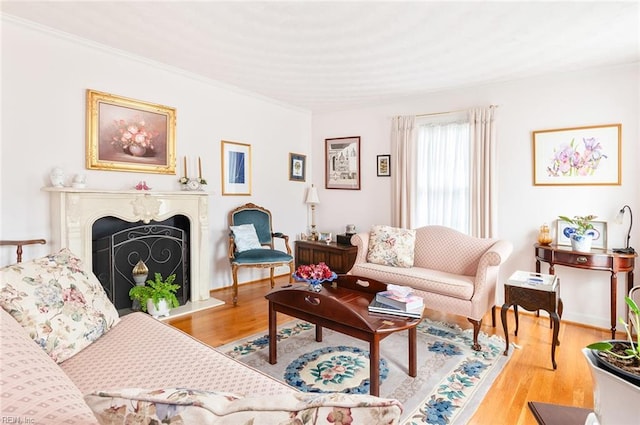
x,y
163,248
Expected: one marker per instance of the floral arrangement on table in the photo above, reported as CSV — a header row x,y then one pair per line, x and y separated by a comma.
x,y
314,274
569,161
581,224
133,136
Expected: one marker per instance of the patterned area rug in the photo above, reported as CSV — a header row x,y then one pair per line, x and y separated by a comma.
x,y
452,379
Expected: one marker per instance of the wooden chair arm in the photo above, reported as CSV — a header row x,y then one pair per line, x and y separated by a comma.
x,y
286,240
20,244
232,248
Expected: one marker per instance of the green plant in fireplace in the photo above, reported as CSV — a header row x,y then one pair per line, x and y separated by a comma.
x,y
156,290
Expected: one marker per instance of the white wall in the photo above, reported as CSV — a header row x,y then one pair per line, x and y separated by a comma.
x,y
591,97
44,79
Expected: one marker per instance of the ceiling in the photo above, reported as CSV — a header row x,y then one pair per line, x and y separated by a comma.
x,y
334,55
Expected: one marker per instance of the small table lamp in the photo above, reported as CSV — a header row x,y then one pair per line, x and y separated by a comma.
x,y
627,249
313,200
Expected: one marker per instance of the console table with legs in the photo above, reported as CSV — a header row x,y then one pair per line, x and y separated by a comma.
x,y
596,259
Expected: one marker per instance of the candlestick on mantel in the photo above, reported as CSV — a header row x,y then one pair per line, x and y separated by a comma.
x,y
185,167
199,168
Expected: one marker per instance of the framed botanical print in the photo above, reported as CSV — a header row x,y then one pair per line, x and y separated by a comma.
x,y
297,167
236,168
129,135
578,156
342,158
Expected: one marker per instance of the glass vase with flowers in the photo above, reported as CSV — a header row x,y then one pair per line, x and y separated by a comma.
x,y
314,275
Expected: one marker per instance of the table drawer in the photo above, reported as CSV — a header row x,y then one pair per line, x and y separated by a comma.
x,y
584,260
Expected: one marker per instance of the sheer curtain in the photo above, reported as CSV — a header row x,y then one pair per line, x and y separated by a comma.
x,y
443,175
451,184
403,175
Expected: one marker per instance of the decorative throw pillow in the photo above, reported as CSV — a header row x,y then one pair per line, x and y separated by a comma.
x,y
245,237
391,246
63,307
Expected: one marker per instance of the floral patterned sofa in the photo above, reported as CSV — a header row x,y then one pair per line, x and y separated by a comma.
x,y
453,272
67,358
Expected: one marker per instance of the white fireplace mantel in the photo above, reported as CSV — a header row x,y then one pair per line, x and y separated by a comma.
x,y
74,211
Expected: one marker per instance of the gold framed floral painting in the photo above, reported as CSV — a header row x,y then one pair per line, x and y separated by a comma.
x,y
129,135
578,156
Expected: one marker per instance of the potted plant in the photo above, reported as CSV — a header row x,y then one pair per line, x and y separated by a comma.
x,y
582,232
615,368
157,296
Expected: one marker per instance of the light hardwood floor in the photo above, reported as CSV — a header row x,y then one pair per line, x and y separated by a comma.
x,y
528,376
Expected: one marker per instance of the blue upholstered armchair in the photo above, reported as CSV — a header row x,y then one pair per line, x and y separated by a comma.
x,y
251,244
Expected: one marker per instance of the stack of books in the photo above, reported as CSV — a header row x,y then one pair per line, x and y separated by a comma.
x,y
543,282
397,303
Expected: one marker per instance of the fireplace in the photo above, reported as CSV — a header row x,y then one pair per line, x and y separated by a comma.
x,y
74,213
119,246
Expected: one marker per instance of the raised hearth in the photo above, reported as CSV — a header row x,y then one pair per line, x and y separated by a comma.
x,y
74,212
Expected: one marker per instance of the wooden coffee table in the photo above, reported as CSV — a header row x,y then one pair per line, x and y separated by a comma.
x,y
342,305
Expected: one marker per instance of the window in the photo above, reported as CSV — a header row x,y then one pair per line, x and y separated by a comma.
x,y
443,161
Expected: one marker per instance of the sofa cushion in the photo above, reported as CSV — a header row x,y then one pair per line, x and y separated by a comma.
x,y
34,388
138,337
391,246
245,237
62,306
180,405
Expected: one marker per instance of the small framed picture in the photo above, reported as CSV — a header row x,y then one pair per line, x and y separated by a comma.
x,y
599,232
297,167
325,237
384,165
236,168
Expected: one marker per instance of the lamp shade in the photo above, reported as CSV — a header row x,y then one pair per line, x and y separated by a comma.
x,y
312,196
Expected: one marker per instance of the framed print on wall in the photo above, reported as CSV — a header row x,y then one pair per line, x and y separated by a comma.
x,y
236,168
599,232
342,156
297,167
383,165
129,135
578,156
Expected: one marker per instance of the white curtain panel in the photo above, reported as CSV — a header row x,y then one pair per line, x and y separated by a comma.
x,y
403,175
482,130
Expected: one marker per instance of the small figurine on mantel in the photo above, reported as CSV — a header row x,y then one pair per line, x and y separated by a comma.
x,y
79,181
142,185
187,183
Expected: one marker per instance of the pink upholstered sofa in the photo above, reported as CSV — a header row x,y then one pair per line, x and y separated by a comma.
x,y
134,369
454,273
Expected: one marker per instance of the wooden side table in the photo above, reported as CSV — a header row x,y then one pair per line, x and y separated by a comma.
x,y
597,259
339,258
533,298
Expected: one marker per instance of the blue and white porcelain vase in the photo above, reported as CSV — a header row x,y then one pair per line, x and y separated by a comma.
x,y
581,243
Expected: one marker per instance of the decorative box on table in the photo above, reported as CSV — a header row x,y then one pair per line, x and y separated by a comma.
x,y
344,239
